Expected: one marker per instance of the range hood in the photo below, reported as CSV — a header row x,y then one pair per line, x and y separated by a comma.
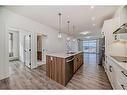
x,y
122,29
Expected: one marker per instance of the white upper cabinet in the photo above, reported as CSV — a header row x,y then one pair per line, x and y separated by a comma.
x,y
113,24
108,28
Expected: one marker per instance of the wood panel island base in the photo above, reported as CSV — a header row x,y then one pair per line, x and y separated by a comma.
x,y
61,66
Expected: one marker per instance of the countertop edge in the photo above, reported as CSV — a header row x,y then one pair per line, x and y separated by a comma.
x,y
64,55
118,63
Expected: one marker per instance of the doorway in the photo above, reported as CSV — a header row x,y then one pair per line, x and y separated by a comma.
x,y
13,48
13,45
27,50
41,49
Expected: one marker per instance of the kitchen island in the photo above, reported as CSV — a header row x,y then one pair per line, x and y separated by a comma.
x,y
62,66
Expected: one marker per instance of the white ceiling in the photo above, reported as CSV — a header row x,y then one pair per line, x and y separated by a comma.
x,y
80,16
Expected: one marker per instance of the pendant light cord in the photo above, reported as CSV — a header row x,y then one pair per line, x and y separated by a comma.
x,y
73,28
59,22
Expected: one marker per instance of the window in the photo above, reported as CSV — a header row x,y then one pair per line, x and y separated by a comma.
x,y
10,44
89,46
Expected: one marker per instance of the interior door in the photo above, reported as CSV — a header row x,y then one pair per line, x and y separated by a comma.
x,y
27,50
44,49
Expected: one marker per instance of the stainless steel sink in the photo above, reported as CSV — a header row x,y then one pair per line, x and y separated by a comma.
x,y
71,53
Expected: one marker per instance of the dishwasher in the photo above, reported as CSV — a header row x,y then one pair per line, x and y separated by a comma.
x,y
69,68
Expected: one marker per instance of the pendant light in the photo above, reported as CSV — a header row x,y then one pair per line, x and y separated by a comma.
x,y
68,22
73,32
59,34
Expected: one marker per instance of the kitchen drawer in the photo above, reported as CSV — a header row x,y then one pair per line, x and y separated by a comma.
x,y
121,77
122,84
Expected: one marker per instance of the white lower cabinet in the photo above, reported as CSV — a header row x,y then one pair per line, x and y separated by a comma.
x,y
117,76
111,73
121,77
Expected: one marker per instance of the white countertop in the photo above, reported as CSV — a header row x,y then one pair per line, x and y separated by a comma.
x,y
121,64
63,55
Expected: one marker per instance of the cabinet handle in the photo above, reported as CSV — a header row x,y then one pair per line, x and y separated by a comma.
x,y
115,37
110,68
124,73
123,86
69,60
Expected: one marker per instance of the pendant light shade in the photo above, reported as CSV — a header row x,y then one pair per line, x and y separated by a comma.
x,y
73,32
68,22
59,34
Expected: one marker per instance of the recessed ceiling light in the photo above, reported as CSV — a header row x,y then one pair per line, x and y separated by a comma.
x,y
92,7
93,18
94,24
84,33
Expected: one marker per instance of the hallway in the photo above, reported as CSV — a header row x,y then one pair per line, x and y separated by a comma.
x,y
89,76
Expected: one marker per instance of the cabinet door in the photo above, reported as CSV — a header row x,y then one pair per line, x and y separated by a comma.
x,y
78,61
49,66
55,69
110,71
108,28
81,59
121,77
75,63
113,75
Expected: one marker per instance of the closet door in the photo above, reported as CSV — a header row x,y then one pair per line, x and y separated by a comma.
x,y
27,50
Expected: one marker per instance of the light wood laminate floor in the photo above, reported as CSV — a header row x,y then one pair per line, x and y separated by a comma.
x,y
89,76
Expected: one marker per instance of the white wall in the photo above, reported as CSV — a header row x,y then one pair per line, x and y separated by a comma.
x,y
53,44
4,68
